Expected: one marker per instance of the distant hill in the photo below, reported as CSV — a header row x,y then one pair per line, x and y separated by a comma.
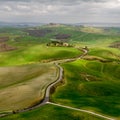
x,y
32,24
99,24
22,24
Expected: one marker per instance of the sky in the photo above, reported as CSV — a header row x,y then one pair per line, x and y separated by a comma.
x,y
60,11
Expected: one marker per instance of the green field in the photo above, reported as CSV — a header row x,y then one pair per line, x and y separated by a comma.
x,y
91,83
50,112
36,53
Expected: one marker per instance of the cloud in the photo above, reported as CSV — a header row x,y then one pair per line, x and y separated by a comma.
x,y
60,10
5,8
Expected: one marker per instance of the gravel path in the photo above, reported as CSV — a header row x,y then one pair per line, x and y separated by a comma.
x,y
47,93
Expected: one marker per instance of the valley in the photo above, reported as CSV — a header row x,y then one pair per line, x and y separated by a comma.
x,y
78,78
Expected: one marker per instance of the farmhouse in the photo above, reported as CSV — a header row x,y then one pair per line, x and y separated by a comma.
x,y
57,43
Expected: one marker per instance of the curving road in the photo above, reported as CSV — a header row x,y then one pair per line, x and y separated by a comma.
x,y
47,93
46,97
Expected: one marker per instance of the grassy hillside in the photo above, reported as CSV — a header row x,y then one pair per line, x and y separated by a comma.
x,y
50,112
110,54
37,53
44,34
26,42
93,85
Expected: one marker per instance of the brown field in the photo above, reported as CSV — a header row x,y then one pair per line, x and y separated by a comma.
x,y
62,36
39,33
24,86
4,39
5,47
115,45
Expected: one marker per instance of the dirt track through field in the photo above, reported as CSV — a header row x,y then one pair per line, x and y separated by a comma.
x,y
81,110
47,93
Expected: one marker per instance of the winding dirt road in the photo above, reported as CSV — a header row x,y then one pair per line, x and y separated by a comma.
x,y
47,93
